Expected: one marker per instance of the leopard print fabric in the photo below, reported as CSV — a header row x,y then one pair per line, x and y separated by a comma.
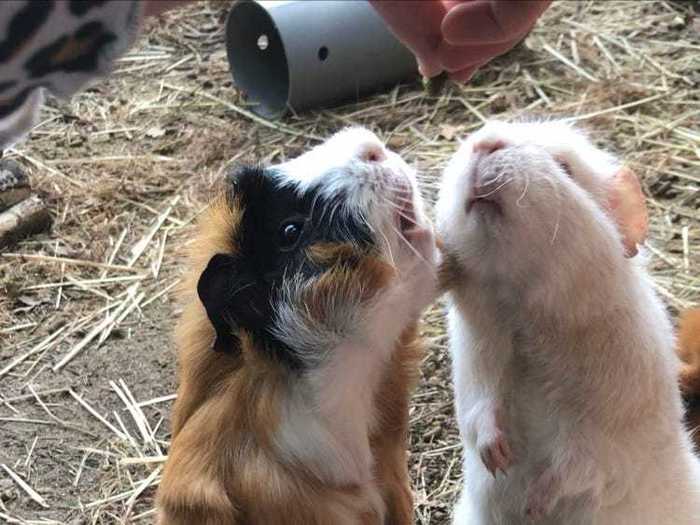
x,y
56,46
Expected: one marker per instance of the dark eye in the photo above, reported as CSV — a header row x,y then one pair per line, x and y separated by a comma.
x,y
289,234
565,166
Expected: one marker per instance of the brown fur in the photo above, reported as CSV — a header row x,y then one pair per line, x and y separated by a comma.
x,y
361,281
689,352
222,468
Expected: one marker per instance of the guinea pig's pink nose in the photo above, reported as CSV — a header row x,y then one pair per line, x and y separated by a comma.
x,y
488,146
372,152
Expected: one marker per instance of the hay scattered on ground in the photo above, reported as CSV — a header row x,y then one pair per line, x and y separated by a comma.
x,y
86,377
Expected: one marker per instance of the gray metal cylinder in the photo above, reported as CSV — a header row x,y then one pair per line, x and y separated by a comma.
x,y
302,54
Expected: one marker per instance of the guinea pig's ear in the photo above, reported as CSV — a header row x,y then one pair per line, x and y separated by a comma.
x,y
627,205
212,290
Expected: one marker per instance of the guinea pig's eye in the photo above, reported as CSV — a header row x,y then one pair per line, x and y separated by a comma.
x,y
565,166
289,234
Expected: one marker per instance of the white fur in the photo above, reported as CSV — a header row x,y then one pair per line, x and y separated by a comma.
x,y
561,350
352,344
341,164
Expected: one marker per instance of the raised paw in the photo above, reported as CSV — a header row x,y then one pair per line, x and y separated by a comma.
x,y
496,453
491,439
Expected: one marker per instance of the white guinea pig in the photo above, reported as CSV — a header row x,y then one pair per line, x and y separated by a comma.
x,y
564,370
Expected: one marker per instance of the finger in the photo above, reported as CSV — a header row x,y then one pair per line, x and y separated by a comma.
x,y
490,21
416,24
454,58
428,68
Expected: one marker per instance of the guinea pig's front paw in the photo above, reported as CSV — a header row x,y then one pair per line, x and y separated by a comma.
x,y
420,274
492,444
496,453
422,245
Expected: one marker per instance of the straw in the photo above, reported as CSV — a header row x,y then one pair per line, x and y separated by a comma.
x,y
87,311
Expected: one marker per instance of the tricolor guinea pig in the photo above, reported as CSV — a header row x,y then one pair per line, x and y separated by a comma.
x,y
298,345
564,368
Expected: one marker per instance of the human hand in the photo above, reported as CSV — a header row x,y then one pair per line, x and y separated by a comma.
x,y
459,36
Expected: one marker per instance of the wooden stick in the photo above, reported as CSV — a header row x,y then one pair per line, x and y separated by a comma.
x,y
14,184
27,217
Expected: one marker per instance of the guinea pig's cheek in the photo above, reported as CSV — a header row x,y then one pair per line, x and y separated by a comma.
x,y
328,254
344,286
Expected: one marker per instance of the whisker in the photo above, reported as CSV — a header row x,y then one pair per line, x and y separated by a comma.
x,y
398,190
495,190
313,207
245,286
388,249
522,195
403,199
366,221
400,212
392,203
552,182
412,248
334,210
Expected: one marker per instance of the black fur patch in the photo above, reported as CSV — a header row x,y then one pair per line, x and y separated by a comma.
x,y
691,401
23,25
77,52
214,290
80,7
241,289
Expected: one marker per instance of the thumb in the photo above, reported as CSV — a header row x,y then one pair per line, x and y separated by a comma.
x,y
491,21
418,26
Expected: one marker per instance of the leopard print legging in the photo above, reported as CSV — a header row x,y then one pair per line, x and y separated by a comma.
x,y
56,46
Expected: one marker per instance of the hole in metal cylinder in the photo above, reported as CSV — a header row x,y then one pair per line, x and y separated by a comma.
x,y
323,53
263,42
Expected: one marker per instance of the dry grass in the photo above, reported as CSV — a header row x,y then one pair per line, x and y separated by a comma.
x,y
127,166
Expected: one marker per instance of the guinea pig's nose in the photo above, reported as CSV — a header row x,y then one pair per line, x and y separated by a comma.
x,y
372,152
488,146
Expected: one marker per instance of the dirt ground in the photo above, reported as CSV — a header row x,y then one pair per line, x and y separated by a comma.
x,y
129,164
